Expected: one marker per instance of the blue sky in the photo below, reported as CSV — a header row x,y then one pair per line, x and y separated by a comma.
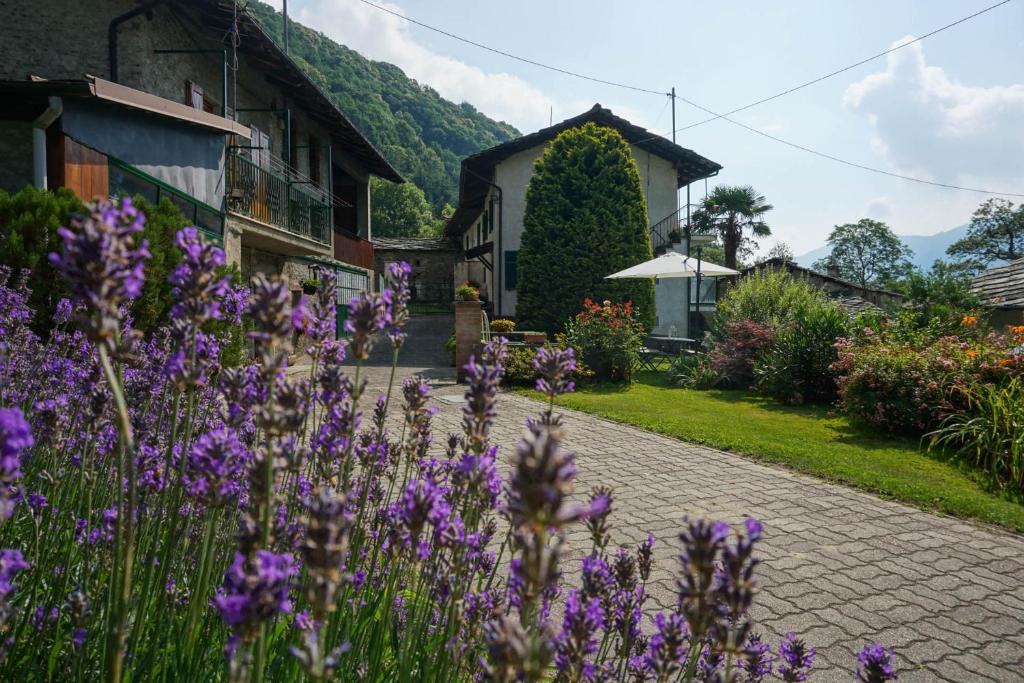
x,y
948,109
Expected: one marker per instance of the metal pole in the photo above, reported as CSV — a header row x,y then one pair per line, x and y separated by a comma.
x,y
224,98
697,336
674,116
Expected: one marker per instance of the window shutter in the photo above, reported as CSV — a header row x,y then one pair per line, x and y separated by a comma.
x,y
511,274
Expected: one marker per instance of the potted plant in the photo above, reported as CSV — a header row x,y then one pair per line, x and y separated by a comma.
x,y
675,235
467,292
310,285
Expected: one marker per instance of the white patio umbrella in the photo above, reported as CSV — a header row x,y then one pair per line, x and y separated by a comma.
x,y
672,264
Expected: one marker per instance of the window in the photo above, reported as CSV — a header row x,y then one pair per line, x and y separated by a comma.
x,y
314,160
479,233
194,95
485,223
128,180
708,290
511,273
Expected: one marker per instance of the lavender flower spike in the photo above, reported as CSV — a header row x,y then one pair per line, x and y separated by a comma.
x,y
15,437
875,664
796,658
101,263
398,282
253,592
554,366
367,314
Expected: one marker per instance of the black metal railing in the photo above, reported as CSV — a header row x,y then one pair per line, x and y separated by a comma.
x,y
270,198
673,229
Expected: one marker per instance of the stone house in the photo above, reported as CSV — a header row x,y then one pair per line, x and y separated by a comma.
x,y
193,101
488,222
849,295
432,261
1001,289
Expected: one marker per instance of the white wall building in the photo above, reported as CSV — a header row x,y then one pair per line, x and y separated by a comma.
x,y
488,222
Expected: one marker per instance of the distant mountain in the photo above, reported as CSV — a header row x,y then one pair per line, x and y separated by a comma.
x,y
926,248
422,134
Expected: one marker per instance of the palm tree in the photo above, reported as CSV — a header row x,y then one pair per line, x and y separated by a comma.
x,y
732,212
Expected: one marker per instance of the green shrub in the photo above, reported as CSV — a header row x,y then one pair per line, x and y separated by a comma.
x,y
28,233
797,366
767,297
990,432
694,371
585,218
607,338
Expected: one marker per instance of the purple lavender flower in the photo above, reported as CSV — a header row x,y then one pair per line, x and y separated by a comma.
x,y
577,641
795,658
666,648
63,312
253,592
269,308
196,289
875,664
367,315
702,542
102,265
11,562
757,659
422,502
15,437
398,282
215,467
555,366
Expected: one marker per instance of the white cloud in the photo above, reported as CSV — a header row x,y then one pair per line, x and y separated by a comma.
x,y
879,208
929,125
385,37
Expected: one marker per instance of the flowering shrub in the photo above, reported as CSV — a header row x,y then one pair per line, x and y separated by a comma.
x,y
607,338
467,292
502,326
906,386
154,505
735,350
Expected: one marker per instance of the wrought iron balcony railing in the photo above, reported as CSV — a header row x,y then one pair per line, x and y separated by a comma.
x,y
270,198
674,228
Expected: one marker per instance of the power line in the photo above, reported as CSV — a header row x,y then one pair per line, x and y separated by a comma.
x,y
496,51
844,69
714,115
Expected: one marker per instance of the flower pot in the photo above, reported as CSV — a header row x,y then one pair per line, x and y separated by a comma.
x,y
310,289
535,337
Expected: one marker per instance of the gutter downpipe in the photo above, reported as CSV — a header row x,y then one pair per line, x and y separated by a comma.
x,y
499,266
112,33
54,108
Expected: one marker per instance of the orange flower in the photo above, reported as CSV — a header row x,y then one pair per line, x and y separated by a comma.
x,y
971,353
969,320
1017,329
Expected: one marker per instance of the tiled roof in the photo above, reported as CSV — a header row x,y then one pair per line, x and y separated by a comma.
x,y
1002,286
413,244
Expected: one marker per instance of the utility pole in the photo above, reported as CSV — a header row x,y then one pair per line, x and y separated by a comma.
x,y
673,96
284,11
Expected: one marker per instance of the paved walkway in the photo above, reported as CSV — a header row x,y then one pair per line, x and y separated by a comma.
x,y
839,567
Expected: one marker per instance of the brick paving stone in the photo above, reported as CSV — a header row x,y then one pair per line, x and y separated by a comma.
x,y
948,591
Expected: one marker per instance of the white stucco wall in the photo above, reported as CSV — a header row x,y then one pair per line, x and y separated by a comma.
x,y
658,179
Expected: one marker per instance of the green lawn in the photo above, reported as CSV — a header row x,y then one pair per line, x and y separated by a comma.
x,y
804,438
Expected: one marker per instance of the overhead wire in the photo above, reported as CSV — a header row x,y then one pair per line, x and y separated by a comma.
x,y
725,116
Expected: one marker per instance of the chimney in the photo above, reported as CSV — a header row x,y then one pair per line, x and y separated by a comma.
x,y
833,270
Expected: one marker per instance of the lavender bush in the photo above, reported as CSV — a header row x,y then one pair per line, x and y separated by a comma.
x,y
164,518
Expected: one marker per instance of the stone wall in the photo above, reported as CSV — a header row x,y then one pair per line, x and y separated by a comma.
x,y
432,271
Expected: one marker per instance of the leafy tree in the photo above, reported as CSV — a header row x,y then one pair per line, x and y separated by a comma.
x,y
940,296
735,213
585,218
866,252
399,209
996,233
781,250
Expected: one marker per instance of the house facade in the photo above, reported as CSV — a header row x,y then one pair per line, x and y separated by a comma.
x,y
189,100
488,222
432,261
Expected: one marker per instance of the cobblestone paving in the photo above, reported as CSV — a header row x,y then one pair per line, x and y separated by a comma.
x,y
839,567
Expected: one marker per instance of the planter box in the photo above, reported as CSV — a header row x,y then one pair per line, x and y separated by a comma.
x,y
535,337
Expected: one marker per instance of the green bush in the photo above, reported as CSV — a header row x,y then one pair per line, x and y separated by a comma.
x,y
767,297
797,366
990,432
502,326
585,218
607,338
693,371
28,233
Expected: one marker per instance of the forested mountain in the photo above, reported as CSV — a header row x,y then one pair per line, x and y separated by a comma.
x,y
422,134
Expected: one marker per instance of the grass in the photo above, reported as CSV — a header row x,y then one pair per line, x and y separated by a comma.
x,y
804,438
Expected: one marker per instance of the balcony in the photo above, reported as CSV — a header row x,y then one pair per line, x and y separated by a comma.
x,y
263,195
673,229
349,248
